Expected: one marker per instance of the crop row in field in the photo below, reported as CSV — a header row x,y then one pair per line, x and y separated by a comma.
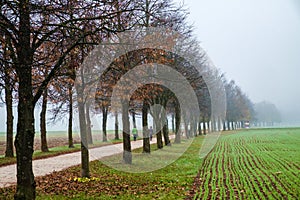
x,y
253,164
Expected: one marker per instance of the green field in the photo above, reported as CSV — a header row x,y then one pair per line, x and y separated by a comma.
x,y
254,164
245,164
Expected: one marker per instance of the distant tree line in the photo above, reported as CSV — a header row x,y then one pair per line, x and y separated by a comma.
x,y
267,114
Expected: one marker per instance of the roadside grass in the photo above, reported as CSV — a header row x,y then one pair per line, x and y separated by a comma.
x,y
253,164
171,182
244,164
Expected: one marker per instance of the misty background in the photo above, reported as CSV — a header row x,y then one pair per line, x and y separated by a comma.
x,y
256,43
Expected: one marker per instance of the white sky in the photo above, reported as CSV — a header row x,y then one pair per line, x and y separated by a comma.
x,y
256,43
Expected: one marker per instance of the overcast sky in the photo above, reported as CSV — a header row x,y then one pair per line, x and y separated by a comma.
x,y
256,43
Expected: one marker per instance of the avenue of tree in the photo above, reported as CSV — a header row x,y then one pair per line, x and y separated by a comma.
x,y
42,45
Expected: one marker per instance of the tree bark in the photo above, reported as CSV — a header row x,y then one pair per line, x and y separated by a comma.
x,y
228,125
44,145
159,139
133,119
85,171
116,127
195,127
146,140
177,124
208,126
70,125
166,133
224,125
158,116
159,120
88,123
199,128
25,126
186,129
213,124
127,155
24,142
104,123
9,152
219,124
173,124
204,126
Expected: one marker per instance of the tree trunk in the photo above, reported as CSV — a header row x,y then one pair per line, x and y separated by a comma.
x,y
219,124
116,127
146,140
166,133
88,123
24,143
127,156
208,126
214,124
104,123
173,124
204,126
9,152
159,139
85,169
158,116
228,125
44,145
25,137
199,128
195,128
70,125
177,124
25,125
133,119
186,129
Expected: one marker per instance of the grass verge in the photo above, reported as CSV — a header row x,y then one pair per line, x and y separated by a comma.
x,y
171,182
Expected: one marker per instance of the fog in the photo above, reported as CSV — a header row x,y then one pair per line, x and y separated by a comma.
x,y
257,44
254,42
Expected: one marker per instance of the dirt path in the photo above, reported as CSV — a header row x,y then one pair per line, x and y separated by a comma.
x,y
46,166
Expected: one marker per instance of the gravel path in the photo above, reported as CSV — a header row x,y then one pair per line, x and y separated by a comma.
x,y
48,165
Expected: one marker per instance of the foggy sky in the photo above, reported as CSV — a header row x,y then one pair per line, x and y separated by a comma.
x,y
256,43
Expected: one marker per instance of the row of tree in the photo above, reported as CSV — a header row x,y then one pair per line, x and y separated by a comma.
x,y
44,43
